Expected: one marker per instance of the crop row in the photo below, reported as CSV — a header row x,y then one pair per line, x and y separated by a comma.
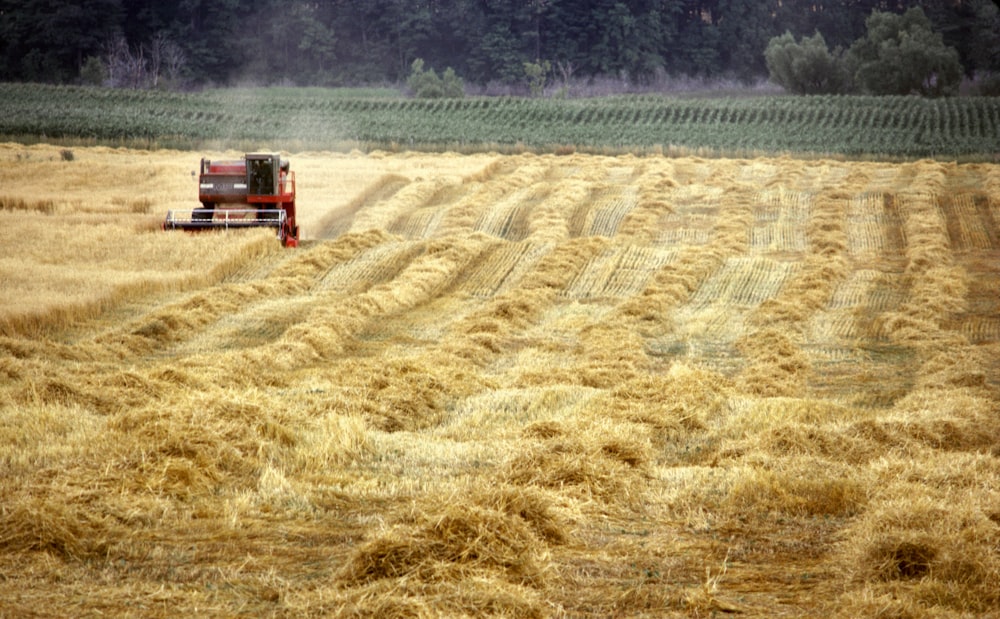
x,y
851,126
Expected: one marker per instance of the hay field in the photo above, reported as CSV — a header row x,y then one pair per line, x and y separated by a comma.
x,y
488,385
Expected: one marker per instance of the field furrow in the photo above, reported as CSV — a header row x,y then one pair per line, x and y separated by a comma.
x,y
503,269
744,282
874,228
370,268
609,209
967,229
620,272
481,194
780,218
508,218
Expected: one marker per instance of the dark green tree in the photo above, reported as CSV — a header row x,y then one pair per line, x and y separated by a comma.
x,y
213,34
332,42
696,50
619,45
567,38
49,40
806,68
426,84
984,54
745,26
294,44
901,54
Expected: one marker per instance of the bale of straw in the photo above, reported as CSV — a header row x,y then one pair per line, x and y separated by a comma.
x,y
535,508
403,393
475,595
954,419
610,355
830,441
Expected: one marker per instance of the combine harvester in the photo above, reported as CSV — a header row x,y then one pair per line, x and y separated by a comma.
x,y
256,191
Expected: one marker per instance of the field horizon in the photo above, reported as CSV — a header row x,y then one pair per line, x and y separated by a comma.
x,y
502,385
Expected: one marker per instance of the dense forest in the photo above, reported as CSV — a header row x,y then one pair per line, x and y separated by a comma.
x,y
149,43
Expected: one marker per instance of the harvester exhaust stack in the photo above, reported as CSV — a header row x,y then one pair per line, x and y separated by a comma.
x,y
253,192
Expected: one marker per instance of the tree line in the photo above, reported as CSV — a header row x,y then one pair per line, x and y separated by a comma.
x,y
149,43
899,55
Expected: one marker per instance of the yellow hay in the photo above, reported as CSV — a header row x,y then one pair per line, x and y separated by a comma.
x,y
773,391
801,488
777,366
51,525
683,400
935,544
460,538
336,222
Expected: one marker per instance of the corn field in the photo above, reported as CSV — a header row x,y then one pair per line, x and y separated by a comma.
x,y
900,127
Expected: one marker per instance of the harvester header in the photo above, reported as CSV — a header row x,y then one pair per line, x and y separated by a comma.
x,y
255,191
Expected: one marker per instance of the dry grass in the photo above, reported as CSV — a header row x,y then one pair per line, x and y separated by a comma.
x,y
522,386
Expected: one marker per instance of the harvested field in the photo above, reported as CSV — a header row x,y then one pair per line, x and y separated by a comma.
x,y
502,385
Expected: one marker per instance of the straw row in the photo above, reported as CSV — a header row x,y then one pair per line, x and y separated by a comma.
x,y
401,205
947,416
461,214
610,208
970,224
503,269
620,272
173,323
674,420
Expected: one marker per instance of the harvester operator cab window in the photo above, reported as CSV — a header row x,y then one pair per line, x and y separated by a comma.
x,y
261,177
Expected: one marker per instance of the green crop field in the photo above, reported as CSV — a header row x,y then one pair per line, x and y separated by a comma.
x,y
852,127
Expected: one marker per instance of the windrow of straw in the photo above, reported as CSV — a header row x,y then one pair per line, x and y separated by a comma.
x,y
503,269
919,543
776,364
603,461
490,193
414,196
185,319
494,328
674,284
331,328
677,408
925,551
642,223
938,285
481,552
399,393
339,221
51,296
372,267
550,222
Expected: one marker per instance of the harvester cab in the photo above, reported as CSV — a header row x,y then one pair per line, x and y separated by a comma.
x,y
253,192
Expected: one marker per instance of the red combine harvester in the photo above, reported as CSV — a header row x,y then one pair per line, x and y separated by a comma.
x,y
253,192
